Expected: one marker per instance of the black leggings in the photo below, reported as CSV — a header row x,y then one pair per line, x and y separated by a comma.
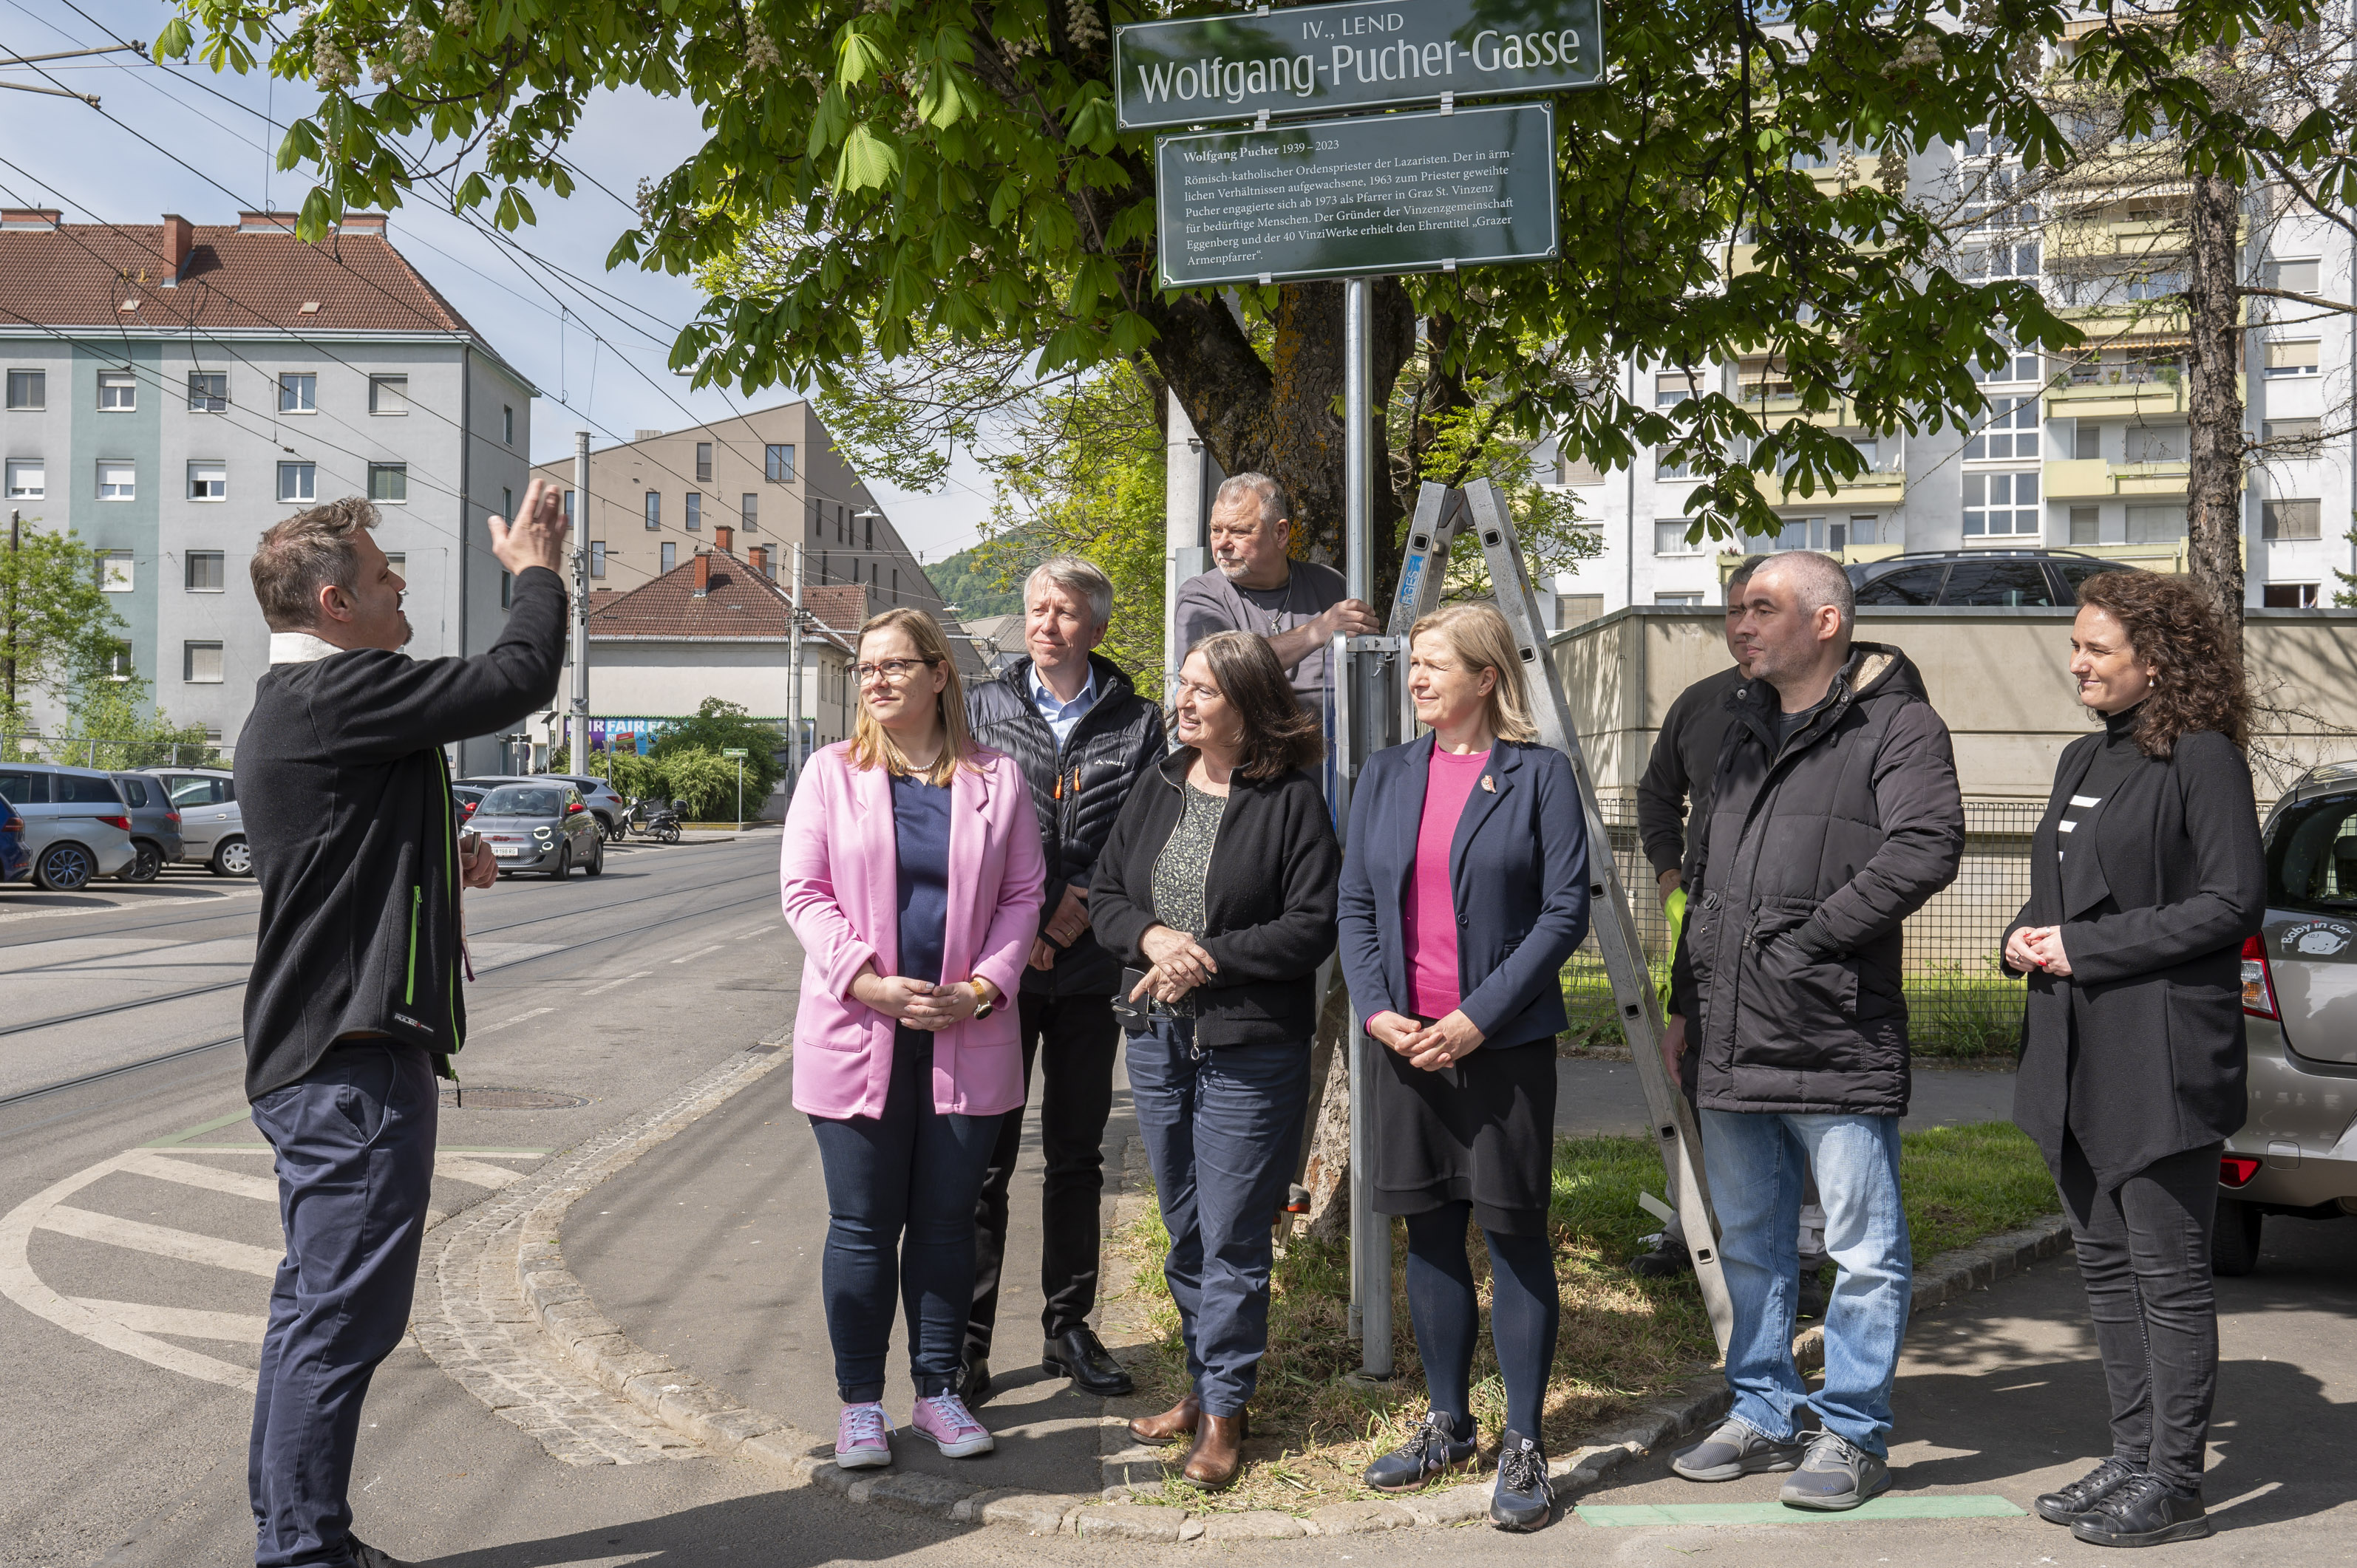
x,y
2144,1255
1524,1308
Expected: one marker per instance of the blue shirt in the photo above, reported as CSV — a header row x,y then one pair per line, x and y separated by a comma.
x,y
920,826
1061,715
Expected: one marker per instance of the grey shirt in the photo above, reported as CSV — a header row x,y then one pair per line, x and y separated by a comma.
x,y
1212,603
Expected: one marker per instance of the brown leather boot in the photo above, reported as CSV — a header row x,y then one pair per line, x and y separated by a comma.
x,y
1219,1452
1172,1425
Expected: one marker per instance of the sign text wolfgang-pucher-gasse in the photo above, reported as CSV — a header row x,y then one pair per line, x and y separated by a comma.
x,y
1312,60
1385,193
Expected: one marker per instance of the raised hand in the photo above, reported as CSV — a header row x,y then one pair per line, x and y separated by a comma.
x,y
537,536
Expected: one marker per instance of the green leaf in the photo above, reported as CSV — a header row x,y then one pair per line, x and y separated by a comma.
x,y
173,42
867,161
860,57
318,213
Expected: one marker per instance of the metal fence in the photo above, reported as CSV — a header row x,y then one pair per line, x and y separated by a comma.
x,y
1960,1001
120,755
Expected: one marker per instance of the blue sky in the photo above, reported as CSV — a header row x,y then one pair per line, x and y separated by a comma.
x,y
604,357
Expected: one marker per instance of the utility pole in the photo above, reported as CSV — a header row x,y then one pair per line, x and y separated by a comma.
x,y
15,536
794,684
89,98
581,601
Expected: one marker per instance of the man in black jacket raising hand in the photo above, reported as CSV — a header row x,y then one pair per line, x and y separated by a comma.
x,y
353,1007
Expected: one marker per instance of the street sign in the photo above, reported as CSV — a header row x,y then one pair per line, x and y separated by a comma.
x,y
1311,59
1380,194
731,751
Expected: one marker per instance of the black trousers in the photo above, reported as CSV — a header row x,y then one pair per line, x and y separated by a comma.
x,y
1073,1039
2143,1254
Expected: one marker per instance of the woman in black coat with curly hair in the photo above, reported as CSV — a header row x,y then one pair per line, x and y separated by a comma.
x,y
2146,877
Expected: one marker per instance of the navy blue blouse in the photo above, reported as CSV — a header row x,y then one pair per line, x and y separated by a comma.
x,y
920,824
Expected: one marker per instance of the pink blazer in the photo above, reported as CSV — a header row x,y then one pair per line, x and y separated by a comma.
x,y
839,875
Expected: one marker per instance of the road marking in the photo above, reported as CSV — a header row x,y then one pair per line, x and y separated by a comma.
x,y
1622,1515
758,930
237,1184
236,1327
611,984
477,1034
240,1115
185,1245
699,953
473,1171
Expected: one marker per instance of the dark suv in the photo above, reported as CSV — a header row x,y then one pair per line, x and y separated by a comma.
x,y
2011,579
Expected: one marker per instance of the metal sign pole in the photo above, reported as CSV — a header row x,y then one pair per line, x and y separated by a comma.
x,y
580,758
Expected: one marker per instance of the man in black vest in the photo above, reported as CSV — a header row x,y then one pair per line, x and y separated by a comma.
x,y
354,1007
1083,737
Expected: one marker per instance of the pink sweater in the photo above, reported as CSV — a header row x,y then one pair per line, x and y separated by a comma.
x,y
1430,922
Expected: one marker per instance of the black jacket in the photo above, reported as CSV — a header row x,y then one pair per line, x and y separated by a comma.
x,y
2154,944
1078,789
1818,849
1517,873
1684,759
1268,898
346,801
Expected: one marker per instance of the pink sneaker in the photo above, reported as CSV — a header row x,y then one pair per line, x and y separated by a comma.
x,y
862,1438
944,1419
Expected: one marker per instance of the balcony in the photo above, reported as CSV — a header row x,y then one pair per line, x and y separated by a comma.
x,y
1876,487
2091,479
2117,392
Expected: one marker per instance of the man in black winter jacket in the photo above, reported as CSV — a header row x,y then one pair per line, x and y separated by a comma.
x,y
353,1006
1083,737
1834,815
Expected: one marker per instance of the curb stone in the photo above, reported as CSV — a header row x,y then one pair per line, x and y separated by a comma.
x,y
677,1398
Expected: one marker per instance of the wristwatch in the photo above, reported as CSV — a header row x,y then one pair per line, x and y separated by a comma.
x,y
981,1003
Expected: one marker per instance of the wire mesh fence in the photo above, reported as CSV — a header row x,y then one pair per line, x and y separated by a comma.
x,y
1960,1001
118,756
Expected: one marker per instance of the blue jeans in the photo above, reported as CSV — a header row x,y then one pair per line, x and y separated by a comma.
x,y
900,1191
1757,1165
1221,1127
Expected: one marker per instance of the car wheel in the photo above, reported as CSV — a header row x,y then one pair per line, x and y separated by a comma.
x,y
146,861
65,867
232,858
564,863
2234,1239
596,860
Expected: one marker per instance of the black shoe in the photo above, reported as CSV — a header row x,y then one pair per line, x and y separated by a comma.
x,y
972,1383
1524,1499
367,1556
1665,1258
2144,1510
1432,1451
1814,1299
2067,1505
1078,1353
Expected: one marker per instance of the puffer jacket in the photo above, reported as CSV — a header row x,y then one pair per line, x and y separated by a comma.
x,y
1077,787
1818,849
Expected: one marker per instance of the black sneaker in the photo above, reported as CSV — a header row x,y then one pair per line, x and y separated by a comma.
x,y
2144,1511
1525,1499
367,1556
1664,1258
2067,1505
1836,1476
1736,1450
1434,1450
1814,1297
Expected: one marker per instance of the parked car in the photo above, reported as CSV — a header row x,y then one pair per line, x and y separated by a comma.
x,y
2296,1155
213,827
154,825
75,825
2013,579
540,825
16,859
465,797
596,794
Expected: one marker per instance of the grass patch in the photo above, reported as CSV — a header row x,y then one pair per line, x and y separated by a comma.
x,y
1623,1340
1953,1010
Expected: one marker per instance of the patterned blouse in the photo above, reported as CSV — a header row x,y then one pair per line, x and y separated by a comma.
x,y
1179,871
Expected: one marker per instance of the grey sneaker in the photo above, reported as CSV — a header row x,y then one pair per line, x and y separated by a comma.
x,y
1836,1476
1736,1450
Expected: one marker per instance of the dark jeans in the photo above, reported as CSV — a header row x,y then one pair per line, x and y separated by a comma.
x,y
2143,1254
1219,1126
899,1198
355,1146
1073,1038
1525,1307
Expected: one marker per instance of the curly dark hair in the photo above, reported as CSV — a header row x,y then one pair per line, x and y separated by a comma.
x,y
2196,658
1279,734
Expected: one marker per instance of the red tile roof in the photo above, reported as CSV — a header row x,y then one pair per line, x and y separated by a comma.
x,y
738,602
83,275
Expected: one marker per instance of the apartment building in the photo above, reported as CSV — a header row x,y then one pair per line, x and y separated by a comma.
x,y
173,389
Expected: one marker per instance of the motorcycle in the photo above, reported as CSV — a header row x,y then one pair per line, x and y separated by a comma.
x,y
656,819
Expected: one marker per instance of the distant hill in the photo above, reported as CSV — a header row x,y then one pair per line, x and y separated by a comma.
x,y
976,593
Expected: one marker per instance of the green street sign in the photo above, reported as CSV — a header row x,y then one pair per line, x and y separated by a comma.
x,y
731,751
1319,59
1385,193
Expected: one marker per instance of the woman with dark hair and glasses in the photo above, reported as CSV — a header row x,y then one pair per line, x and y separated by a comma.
x,y
912,877
1217,884
2146,878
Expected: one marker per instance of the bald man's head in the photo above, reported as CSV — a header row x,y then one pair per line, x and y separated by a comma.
x,y
1818,582
1793,628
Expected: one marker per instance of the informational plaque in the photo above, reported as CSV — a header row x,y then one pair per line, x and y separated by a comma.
x,y
1318,60
1379,193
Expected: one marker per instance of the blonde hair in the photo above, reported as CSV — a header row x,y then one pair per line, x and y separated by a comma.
x,y
1478,635
872,745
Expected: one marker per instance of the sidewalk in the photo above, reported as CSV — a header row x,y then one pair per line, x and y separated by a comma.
x,y
1594,1098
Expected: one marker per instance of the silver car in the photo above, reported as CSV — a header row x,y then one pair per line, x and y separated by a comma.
x,y
75,825
540,826
212,826
596,794
2296,1155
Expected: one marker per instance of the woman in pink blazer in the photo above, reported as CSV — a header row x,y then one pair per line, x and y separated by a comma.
x,y
912,877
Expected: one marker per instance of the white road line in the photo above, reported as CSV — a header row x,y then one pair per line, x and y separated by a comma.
x,y
237,1184
457,1167
699,953
185,1245
611,984
236,1327
758,930
476,1034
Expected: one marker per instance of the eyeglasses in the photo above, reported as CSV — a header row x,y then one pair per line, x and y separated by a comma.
x,y
892,672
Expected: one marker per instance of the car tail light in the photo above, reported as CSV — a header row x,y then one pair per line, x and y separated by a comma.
x,y
122,823
172,818
576,806
13,825
2258,983
2236,1170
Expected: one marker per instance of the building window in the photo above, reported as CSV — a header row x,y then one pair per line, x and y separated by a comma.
x,y
200,663
2086,525
1667,466
1669,538
778,463
770,566
871,534
704,462
2295,437
117,482
749,511
507,503
507,590
208,481
207,392
2010,433
298,392
1674,387
118,391
695,511
507,425
398,562
118,662
114,571
1865,528
297,482
2019,365
2291,359
28,389
597,557
1999,506
28,479
2156,524
1681,601
2155,444
2086,440
2289,596
388,394
654,508
669,555
568,507
2291,520
389,481
2298,277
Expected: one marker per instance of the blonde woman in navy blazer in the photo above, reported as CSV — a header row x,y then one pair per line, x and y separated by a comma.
x,y
1464,891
